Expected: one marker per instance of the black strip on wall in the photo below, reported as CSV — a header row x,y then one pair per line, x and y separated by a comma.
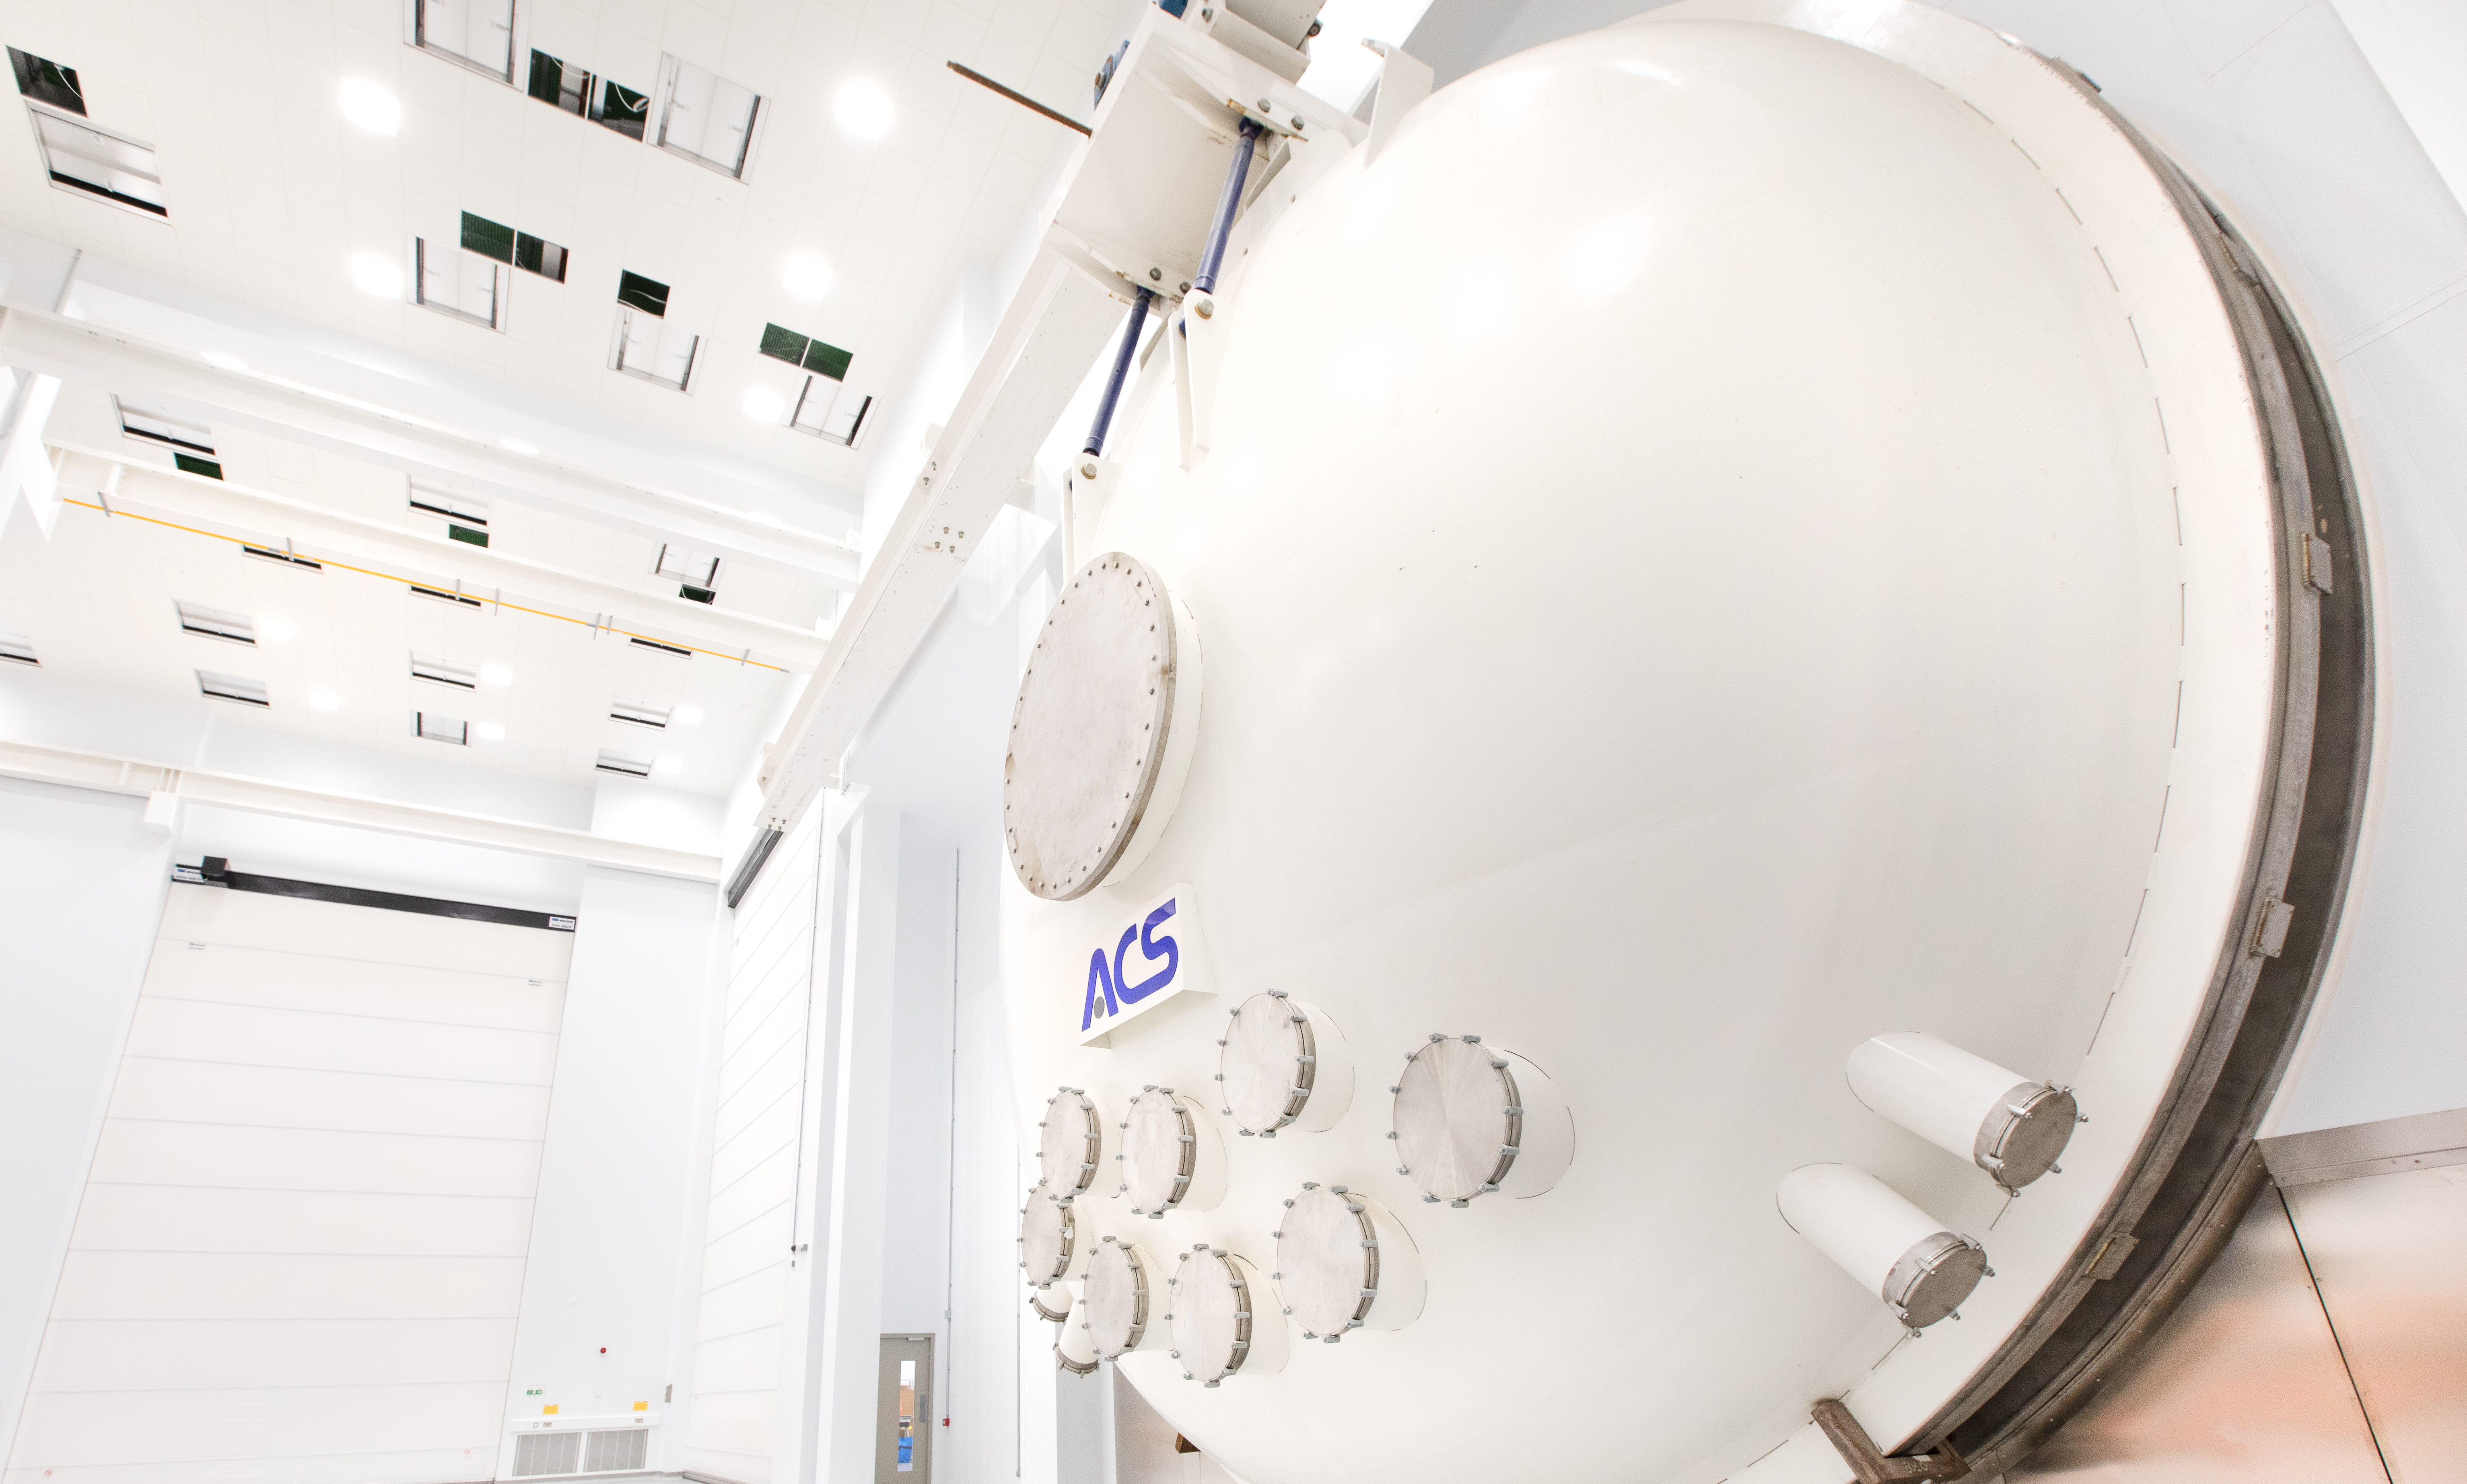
x,y
212,872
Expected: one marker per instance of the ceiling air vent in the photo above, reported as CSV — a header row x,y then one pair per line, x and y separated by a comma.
x,y
465,599
831,410
641,713
47,81
679,650
466,516
559,84
707,118
619,107
18,649
698,575
80,157
214,623
444,672
461,284
159,425
612,761
646,346
440,728
288,559
478,34
232,688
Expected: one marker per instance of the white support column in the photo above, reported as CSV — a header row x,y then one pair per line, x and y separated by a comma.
x,y
832,1334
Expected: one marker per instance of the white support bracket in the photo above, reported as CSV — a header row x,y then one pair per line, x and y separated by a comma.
x,y
1058,323
1133,213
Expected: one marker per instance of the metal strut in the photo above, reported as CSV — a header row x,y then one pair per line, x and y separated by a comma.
x,y
1121,369
1213,255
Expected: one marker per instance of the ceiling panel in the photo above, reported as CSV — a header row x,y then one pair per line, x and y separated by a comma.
x,y
271,192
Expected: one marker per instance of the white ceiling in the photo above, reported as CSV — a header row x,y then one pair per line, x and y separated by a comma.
x,y
271,192
98,602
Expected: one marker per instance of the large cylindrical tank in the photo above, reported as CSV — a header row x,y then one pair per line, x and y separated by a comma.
x,y
1721,542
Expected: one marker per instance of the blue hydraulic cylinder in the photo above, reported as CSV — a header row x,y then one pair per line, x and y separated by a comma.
x,y
1121,369
1212,257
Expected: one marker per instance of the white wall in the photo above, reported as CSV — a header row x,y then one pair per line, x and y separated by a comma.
x,y
81,886
609,1227
756,1067
935,751
299,1247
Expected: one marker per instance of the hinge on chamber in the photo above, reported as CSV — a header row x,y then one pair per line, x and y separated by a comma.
x,y
2317,563
2270,937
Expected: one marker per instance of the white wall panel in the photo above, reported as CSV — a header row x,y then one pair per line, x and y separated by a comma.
x,y
299,1252
82,881
221,1092
345,1422
609,1239
139,1356
744,1260
147,1151
200,1219
756,1193
286,979
748,1304
285,1286
762,1137
244,1035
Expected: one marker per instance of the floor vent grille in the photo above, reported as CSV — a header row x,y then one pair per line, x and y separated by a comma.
x,y
599,1450
617,1449
537,1453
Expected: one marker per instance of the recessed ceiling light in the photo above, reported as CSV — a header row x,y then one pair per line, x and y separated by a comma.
x,y
370,106
517,445
668,765
488,731
805,276
763,405
375,275
325,700
687,716
863,108
224,361
496,675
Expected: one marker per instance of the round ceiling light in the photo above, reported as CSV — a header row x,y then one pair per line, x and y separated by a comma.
x,y
862,108
805,276
372,107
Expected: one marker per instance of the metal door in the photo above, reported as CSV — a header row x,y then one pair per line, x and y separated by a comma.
x,y
903,1447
